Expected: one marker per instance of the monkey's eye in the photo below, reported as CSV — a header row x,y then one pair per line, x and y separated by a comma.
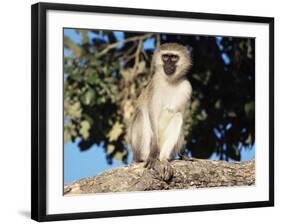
x,y
174,58
165,57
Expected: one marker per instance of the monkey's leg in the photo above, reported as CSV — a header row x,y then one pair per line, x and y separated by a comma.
x,y
169,137
140,136
152,158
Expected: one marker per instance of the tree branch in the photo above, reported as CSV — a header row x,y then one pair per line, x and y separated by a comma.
x,y
187,174
114,45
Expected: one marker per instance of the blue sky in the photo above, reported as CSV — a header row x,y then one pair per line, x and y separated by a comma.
x,y
79,164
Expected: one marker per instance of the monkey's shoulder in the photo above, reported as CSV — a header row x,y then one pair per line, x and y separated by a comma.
x,y
185,85
183,88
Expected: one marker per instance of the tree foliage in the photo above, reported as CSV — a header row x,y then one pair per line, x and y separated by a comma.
x,y
105,72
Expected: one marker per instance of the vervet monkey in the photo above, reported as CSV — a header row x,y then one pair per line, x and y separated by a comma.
x,y
155,132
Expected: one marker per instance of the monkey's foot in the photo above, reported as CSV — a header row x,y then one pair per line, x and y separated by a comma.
x,y
150,163
163,170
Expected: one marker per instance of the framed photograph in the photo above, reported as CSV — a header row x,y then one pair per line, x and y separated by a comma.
x,y
140,111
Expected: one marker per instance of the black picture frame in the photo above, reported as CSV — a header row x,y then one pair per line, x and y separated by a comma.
x,y
39,122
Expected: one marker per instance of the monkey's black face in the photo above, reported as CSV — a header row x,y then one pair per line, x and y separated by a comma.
x,y
170,61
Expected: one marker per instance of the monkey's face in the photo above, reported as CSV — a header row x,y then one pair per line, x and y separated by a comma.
x,y
172,60
169,63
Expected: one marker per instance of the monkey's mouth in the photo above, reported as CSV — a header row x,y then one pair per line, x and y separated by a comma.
x,y
169,69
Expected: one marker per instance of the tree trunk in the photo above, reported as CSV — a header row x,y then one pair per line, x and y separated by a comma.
x,y
195,173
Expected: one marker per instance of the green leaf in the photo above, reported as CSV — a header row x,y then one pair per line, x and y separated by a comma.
x,y
93,78
249,139
202,116
75,48
141,67
95,63
218,104
88,97
85,38
115,132
196,76
120,155
127,73
110,148
66,136
88,118
76,76
195,105
84,130
69,131
74,110
249,108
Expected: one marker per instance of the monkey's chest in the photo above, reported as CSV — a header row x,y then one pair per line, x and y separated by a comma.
x,y
173,98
